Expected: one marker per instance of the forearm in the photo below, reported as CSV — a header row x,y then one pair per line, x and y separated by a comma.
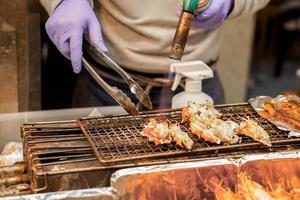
x,y
50,5
246,7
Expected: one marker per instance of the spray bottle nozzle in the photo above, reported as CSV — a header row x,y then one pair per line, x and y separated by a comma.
x,y
195,70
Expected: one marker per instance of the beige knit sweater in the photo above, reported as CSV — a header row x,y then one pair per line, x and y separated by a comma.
x,y
139,33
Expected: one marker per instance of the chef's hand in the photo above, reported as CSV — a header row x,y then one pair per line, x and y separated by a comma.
x,y
214,15
66,26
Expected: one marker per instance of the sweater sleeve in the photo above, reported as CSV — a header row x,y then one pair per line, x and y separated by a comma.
x,y
50,5
246,7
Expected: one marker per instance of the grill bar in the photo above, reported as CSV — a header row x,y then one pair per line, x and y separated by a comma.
x,y
13,180
118,139
15,190
54,143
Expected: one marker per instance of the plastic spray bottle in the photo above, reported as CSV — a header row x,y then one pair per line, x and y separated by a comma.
x,y
194,72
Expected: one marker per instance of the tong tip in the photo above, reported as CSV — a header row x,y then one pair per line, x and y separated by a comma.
x,y
141,95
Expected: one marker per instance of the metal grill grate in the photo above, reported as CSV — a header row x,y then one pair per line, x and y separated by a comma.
x,y
118,138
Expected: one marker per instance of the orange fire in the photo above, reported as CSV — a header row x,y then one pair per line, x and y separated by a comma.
x,y
248,189
277,179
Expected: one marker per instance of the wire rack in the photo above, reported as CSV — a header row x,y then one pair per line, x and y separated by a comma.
x,y
117,138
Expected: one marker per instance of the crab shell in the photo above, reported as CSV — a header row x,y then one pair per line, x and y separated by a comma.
x,y
181,138
206,134
157,132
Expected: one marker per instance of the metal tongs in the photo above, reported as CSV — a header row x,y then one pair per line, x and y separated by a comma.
x,y
118,95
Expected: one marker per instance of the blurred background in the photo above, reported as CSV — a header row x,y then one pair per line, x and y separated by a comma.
x,y
260,56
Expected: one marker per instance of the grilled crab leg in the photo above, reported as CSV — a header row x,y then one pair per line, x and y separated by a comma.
x,y
204,110
205,122
225,130
157,132
180,137
251,129
206,134
163,133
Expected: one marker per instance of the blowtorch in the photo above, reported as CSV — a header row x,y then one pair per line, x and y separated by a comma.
x,y
189,8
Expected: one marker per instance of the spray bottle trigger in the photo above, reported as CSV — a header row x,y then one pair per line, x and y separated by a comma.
x,y
176,82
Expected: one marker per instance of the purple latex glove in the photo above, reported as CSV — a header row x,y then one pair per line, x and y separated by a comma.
x,y
214,15
66,26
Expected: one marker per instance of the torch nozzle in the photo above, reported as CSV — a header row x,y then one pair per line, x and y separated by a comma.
x,y
181,35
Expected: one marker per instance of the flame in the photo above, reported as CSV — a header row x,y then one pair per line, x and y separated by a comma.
x,y
248,189
222,193
277,179
263,180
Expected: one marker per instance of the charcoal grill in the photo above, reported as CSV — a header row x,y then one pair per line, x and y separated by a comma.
x,y
116,139
58,156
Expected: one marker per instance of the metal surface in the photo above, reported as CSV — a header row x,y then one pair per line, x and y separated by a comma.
x,y
87,194
183,28
60,158
118,95
15,190
14,180
99,56
17,168
118,138
181,35
192,180
258,104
